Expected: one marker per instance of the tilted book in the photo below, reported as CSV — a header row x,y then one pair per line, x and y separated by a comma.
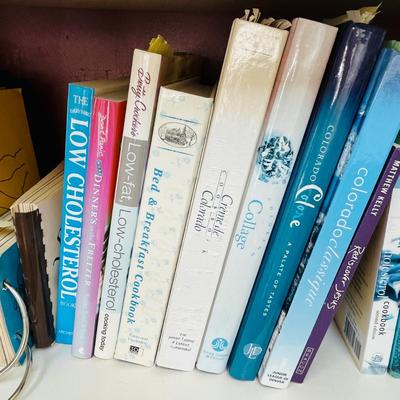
x,y
248,74
18,168
300,73
337,103
345,211
105,142
354,254
37,216
367,317
180,128
79,117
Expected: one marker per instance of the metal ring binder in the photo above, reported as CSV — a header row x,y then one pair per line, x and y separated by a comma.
x,y
24,342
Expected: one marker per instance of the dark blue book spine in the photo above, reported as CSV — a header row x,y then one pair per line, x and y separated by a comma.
x,y
345,81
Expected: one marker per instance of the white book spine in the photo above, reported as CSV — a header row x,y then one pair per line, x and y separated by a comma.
x,y
146,74
248,74
302,67
179,134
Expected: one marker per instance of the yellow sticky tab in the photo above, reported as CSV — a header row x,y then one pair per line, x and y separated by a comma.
x,y
160,46
363,15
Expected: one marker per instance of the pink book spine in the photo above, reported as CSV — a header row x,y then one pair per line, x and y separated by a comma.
x,y
105,139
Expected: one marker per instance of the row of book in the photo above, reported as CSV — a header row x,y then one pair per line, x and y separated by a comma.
x,y
216,228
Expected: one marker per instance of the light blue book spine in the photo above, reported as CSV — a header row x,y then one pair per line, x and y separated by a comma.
x,y
79,112
377,134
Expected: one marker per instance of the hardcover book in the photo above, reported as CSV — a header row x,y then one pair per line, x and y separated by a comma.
x,y
150,69
346,209
338,100
18,168
354,254
248,74
368,315
180,129
105,141
37,216
300,73
79,117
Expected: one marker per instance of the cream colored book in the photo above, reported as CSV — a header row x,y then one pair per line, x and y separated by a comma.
x,y
248,74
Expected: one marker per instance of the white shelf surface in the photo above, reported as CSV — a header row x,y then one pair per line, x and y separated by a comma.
x,y
56,375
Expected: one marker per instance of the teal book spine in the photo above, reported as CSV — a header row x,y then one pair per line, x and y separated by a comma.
x,y
380,126
79,114
349,68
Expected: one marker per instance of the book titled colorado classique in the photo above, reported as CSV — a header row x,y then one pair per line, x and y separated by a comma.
x,y
346,209
180,128
337,103
248,74
106,133
302,67
79,118
376,206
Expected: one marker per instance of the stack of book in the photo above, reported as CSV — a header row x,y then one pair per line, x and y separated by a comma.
x,y
222,227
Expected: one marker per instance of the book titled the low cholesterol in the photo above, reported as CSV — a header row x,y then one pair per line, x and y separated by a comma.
x,y
180,130
248,74
338,100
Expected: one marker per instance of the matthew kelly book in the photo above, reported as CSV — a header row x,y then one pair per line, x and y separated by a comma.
x,y
106,133
180,129
302,67
248,74
338,101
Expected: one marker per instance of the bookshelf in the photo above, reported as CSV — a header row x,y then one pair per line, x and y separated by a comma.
x,y
44,44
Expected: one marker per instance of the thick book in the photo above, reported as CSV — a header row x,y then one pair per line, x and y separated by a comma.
x,y
345,211
376,206
18,167
10,271
367,317
105,141
300,73
180,129
37,216
248,74
79,118
337,103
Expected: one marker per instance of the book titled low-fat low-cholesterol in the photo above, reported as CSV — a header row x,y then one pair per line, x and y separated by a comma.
x,y
106,134
346,209
180,129
300,73
376,206
394,362
367,317
337,103
248,74
79,117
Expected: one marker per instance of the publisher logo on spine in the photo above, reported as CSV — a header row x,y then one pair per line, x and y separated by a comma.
x,y
177,134
252,350
219,344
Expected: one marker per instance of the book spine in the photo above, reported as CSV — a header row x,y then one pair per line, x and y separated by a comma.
x,y
303,64
79,113
244,89
354,254
106,132
179,133
143,89
345,211
385,305
338,100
